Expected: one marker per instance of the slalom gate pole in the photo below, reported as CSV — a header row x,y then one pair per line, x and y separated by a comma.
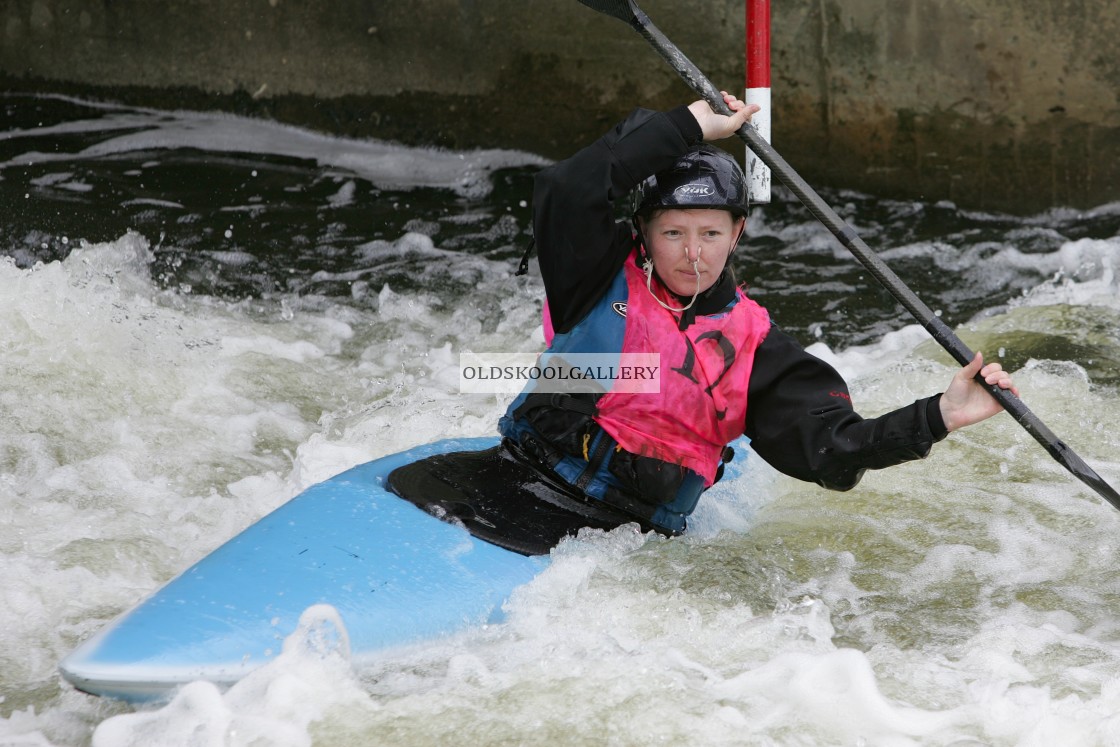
x,y
758,92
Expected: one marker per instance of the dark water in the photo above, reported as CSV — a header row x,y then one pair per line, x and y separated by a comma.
x,y
230,224
234,224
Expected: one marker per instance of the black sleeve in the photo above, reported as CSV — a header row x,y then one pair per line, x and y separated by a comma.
x,y
800,420
580,245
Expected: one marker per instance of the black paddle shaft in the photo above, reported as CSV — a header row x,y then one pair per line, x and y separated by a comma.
x,y
629,12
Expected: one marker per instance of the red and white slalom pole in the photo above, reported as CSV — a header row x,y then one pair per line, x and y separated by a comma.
x,y
758,92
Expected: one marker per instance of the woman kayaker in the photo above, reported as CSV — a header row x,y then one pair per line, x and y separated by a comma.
x,y
660,283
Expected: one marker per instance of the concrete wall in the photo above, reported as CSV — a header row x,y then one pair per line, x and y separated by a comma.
x,y
999,104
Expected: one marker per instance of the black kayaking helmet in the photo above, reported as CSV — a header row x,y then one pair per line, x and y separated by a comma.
x,y
705,177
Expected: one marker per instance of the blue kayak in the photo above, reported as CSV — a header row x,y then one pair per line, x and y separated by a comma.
x,y
394,573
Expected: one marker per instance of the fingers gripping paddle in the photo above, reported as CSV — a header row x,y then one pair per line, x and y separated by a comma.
x,y
629,12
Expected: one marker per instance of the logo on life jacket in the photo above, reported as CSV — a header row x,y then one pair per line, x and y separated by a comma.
x,y
619,308
694,190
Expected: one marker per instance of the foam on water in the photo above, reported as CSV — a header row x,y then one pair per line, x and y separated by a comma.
x,y
388,166
969,598
952,600
141,428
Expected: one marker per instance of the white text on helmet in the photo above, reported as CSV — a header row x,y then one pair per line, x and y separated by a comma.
x,y
694,190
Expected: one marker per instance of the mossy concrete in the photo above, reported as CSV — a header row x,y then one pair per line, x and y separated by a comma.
x,y
999,104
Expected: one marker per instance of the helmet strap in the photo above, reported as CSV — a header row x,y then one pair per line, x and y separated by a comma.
x,y
640,242
735,242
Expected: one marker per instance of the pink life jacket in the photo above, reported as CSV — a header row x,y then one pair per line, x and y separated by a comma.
x,y
546,325
702,402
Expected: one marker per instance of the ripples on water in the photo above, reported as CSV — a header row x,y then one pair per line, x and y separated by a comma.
x,y
201,315
239,209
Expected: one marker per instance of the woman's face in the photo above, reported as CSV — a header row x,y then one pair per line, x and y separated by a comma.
x,y
678,238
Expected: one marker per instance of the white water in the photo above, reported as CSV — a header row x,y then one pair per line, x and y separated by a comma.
x,y
382,163
968,599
